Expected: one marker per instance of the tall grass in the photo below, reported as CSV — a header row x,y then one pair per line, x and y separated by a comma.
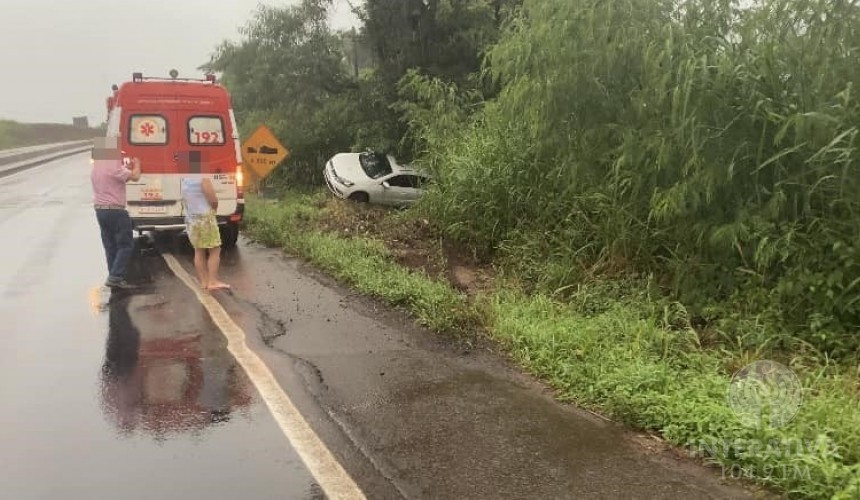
x,y
711,143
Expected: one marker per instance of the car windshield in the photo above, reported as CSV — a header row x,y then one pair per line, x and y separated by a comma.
x,y
374,165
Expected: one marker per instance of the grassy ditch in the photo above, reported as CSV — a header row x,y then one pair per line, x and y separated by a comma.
x,y
616,347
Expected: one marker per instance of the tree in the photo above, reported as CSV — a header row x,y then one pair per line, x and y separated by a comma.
x,y
289,72
443,39
439,38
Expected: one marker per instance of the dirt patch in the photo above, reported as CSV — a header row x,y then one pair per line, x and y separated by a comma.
x,y
349,218
413,241
463,270
415,244
462,277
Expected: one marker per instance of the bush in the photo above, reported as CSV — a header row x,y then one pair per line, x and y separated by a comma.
x,y
710,143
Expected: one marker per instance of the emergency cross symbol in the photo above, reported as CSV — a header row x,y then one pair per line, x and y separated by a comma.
x,y
147,129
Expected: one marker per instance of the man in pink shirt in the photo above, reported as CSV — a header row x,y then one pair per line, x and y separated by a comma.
x,y
109,177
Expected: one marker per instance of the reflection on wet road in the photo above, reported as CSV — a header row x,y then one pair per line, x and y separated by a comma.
x,y
125,395
167,381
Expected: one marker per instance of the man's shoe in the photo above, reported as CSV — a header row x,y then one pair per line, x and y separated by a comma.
x,y
121,284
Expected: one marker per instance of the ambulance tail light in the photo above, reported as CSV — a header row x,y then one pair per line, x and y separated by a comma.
x,y
240,182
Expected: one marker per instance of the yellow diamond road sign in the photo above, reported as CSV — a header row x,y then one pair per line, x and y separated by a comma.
x,y
263,152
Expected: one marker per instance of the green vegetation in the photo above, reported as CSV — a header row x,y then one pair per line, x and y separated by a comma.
x,y
612,346
16,135
667,190
711,147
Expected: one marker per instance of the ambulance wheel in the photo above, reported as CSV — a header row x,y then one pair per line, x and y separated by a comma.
x,y
229,235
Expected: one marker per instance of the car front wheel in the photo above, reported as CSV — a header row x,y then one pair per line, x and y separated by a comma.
x,y
359,197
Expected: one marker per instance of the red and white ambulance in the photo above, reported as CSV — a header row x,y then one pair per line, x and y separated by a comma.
x,y
178,127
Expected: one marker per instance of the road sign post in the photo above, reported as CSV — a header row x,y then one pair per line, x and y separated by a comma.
x,y
262,152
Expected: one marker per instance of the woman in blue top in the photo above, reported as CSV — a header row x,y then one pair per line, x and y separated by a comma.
x,y
200,202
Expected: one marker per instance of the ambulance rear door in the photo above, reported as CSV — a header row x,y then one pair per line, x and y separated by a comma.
x,y
152,138
211,153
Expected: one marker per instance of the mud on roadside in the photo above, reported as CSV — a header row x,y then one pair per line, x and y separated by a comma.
x,y
412,240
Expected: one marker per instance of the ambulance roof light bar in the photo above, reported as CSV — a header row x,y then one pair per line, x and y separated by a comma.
x,y
138,77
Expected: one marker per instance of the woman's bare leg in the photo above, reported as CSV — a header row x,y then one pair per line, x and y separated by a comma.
x,y
214,264
200,266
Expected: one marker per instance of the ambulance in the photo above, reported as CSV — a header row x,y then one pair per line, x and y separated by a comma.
x,y
178,127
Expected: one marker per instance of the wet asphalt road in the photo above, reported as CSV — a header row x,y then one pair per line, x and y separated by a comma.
x,y
134,395
123,396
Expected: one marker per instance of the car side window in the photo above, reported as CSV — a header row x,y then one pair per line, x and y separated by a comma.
x,y
402,181
412,181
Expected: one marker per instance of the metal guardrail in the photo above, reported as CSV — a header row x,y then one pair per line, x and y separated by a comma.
x,y
15,160
18,154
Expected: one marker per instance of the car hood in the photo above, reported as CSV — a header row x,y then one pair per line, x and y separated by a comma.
x,y
348,167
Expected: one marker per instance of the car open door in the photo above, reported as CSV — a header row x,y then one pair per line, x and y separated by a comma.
x,y
401,190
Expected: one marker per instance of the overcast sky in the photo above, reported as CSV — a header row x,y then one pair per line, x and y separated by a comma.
x,y
58,58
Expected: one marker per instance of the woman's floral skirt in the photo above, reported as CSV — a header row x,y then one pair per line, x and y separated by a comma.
x,y
203,231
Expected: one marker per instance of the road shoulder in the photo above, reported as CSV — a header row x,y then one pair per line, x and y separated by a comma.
x,y
411,414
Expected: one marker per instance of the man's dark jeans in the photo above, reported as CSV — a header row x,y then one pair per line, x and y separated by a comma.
x,y
118,240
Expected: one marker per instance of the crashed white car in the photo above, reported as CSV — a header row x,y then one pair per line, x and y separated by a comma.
x,y
374,178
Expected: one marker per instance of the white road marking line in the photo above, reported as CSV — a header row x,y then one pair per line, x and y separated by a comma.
x,y
332,478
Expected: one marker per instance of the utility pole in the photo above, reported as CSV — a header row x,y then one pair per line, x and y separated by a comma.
x,y
355,51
